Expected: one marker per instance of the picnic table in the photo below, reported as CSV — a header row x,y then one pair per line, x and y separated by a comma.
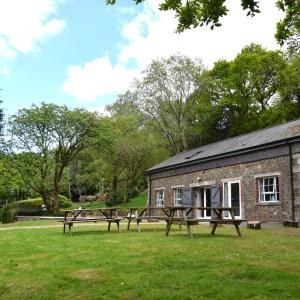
x,y
182,213
148,213
109,215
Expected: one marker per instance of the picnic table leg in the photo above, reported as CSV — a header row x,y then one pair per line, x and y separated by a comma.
x,y
237,229
170,222
129,221
138,225
188,227
214,228
108,228
118,226
65,219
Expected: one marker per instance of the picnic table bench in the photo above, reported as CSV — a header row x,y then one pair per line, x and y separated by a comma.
x,y
109,215
215,221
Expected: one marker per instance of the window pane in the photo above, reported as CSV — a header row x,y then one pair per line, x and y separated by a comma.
x,y
268,189
177,196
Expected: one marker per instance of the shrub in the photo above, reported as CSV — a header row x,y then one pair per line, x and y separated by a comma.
x,y
31,203
9,213
37,212
36,203
115,198
64,202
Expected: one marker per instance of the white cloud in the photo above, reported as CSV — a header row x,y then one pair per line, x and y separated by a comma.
x,y
97,77
210,45
151,34
101,110
26,24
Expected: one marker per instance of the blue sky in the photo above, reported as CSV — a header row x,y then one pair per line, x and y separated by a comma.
x,y
83,53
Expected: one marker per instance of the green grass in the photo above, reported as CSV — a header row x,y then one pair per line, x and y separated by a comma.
x,y
96,264
29,223
138,202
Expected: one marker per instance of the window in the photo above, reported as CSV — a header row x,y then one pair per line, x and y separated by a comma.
x,y
268,189
177,197
160,197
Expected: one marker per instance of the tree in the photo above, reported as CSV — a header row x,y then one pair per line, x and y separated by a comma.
x,y
45,139
134,148
245,91
288,30
290,90
164,95
11,184
195,13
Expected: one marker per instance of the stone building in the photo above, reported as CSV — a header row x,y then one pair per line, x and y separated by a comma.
x,y
258,174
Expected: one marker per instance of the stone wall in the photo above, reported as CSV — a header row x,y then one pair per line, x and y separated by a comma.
x,y
247,174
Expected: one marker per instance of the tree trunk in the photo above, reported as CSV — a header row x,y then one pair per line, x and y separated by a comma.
x,y
46,199
56,187
114,184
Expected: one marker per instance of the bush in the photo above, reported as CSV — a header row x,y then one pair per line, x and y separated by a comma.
x,y
9,213
37,212
31,203
115,198
37,203
64,202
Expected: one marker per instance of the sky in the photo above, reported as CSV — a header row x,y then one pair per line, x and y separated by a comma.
x,y
83,53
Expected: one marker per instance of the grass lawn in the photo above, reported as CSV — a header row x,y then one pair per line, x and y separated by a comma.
x,y
138,202
95,264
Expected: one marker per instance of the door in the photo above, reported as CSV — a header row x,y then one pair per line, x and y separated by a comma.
x,y
232,198
204,195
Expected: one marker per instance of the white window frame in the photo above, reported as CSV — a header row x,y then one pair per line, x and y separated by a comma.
x,y
160,197
226,214
275,192
177,199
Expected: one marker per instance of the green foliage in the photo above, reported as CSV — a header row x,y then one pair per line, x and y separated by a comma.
x,y
11,184
288,29
245,92
31,203
8,213
198,13
164,95
37,203
45,139
64,202
115,198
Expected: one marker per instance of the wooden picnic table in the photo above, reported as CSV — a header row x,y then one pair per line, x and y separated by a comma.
x,y
148,213
182,213
109,215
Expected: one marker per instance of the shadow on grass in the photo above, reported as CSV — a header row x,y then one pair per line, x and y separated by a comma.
x,y
145,230
208,235
90,232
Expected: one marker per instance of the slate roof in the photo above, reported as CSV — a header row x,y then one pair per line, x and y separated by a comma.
x,y
250,141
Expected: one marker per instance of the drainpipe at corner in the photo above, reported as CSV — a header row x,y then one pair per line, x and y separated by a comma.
x,y
292,180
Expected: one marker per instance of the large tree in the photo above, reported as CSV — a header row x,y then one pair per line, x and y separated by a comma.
x,y
45,139
164,95
194,13
246,91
